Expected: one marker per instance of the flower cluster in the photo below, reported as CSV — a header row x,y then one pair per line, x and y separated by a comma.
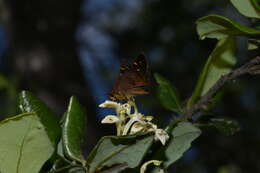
x,y
129,121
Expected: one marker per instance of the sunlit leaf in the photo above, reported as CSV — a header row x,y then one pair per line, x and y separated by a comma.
x,y
220,62
114,150
167,94
249,8
219,27
24,144
73,131
30,103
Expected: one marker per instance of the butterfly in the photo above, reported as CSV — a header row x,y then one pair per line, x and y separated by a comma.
x,y
132,80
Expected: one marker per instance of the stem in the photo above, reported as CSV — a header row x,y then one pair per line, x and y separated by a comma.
x,y
252,67
132,103
120,124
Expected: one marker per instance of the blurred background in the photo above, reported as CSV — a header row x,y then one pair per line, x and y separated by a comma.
x,y
61,48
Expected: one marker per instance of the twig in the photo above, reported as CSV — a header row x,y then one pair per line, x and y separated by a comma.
x,y
252,67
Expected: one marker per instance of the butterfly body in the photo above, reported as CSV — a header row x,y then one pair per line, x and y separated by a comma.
x,y
132,80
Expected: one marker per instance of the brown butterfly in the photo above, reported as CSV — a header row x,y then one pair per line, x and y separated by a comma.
x,y
132,80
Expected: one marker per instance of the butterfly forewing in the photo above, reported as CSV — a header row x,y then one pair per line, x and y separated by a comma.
x,y
140,64
131,80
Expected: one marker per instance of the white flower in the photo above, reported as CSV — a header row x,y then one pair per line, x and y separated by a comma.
x,y
124,109
127,108
110,104
161,135
110,119
136,117
148,118
132,123
144,166
136,127
152,126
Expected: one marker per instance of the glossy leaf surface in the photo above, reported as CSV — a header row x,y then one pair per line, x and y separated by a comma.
x,y
249,8
30,103
113,150
73,131
24,144
219,63
219,27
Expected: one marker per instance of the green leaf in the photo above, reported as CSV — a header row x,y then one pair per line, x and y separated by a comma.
x,y
220,62
224,125
248,8
30,103
167,94
253,44
24,144
219,27
73,131
180,141
114,150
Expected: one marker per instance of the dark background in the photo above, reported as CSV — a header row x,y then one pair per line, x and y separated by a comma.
x,y
61,48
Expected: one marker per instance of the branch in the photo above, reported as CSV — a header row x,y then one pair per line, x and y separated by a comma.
x,y
252,67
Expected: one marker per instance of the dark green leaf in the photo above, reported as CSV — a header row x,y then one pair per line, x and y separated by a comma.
x,y
114,169
29,103
114,150
248,8
73,131
181,137
219,27
24,144
58,164
167,94
4,83
226,126
219,63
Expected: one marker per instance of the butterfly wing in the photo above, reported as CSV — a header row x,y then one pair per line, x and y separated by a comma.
x,y
142,74
131,80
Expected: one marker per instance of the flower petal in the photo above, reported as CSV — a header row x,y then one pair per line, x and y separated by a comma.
x,y
148,118
110,104
136,127
110,119
161,135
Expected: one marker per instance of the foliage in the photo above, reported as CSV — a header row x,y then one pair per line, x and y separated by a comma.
x,y
36,137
